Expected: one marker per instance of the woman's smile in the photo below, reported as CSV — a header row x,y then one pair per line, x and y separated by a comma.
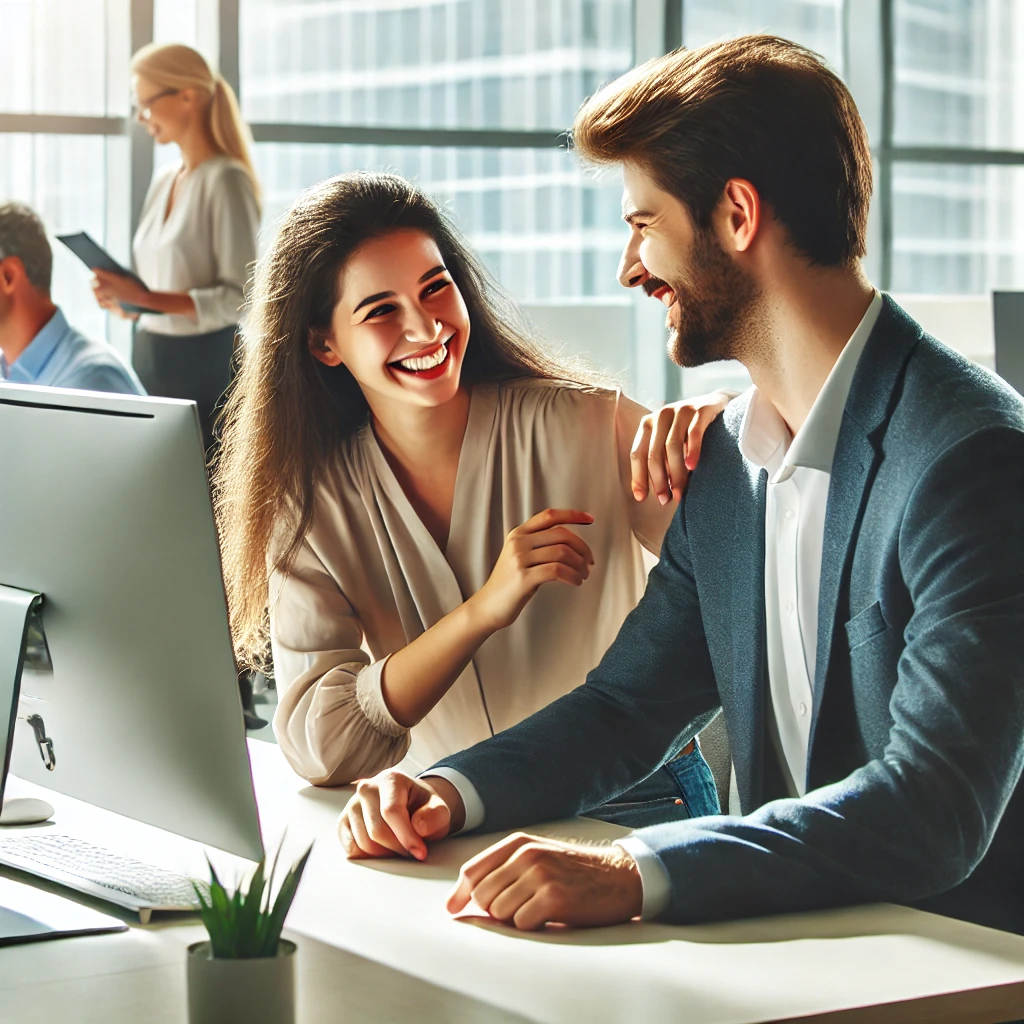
x,y
427,365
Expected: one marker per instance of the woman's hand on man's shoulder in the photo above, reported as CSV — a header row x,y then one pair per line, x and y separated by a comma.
x,y
667,445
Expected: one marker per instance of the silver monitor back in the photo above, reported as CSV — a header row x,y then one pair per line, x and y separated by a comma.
x,y
105,511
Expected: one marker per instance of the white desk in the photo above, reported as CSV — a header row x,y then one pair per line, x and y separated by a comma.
x,y
376,944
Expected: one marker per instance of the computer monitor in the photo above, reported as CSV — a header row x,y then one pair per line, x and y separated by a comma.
x,y
105,512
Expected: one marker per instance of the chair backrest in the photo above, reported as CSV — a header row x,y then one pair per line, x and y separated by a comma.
x,y
1008,321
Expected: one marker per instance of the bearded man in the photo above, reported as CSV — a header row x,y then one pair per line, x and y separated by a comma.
x,y
844,576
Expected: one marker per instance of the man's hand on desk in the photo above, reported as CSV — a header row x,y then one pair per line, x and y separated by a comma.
x,y
393,814
529,881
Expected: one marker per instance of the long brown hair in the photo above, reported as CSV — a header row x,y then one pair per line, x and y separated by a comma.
x,y
757,107
176,66
288,415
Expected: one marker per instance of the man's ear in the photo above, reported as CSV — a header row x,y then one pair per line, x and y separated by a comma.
x,y
12,270
741,209
321,348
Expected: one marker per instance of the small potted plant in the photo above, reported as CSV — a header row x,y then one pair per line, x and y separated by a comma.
x,y
245,971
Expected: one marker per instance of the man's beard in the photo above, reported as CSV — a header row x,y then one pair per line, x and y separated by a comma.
x,y
711,317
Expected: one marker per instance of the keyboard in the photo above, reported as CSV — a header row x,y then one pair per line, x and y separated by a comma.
x,y
143,888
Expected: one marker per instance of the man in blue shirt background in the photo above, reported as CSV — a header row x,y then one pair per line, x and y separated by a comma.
x,y
37,345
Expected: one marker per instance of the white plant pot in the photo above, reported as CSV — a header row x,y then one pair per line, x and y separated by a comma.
x,y
258,991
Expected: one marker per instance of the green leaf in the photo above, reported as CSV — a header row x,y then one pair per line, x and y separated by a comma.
x,y
264,922
221,909
249,914
278,913
214,880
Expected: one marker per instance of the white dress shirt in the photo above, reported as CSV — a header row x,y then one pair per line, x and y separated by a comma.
x,y
205,246
799,471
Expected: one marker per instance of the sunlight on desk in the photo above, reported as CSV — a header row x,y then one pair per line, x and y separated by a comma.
x,y
376,944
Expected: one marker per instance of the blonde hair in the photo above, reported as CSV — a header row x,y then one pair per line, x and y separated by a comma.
x,y
176,66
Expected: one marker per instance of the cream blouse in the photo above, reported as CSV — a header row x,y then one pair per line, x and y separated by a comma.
x,y
206,245
369,579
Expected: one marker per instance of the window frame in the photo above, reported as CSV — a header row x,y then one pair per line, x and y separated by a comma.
x,y
869,60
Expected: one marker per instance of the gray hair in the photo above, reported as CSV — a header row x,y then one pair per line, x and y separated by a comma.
x,y
22,234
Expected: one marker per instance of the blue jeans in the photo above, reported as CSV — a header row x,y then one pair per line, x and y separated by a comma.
x,y
683,788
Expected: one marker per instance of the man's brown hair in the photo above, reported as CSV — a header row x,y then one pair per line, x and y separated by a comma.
x,y
759,108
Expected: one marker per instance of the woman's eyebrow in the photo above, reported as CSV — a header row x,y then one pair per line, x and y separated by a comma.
x,y
373,298
433,272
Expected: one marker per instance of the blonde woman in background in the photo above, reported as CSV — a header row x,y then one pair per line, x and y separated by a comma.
x,y
197,234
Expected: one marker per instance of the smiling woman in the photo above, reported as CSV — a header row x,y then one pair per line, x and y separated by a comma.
x,y
438,515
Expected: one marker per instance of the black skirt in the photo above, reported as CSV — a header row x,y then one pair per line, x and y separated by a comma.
x,y
193,366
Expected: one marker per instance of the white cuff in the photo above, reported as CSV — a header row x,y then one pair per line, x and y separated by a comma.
x,y
471,801
654,878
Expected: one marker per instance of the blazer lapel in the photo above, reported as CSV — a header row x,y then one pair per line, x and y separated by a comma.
x,y
852,467
746,726
858,452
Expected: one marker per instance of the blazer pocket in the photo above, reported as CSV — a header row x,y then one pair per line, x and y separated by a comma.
x,y
865,625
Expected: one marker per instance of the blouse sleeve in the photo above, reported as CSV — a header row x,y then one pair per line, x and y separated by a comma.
x,y
234,225
648,519
331,721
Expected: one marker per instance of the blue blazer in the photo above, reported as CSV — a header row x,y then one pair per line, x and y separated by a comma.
x,y
917,738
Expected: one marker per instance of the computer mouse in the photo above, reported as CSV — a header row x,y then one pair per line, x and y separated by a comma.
x,y
25,810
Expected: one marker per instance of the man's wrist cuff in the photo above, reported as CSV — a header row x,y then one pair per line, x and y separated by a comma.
x,y
471,802
654,878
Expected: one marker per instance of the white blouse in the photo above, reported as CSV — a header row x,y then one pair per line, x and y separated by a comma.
x,y
205,247
369,579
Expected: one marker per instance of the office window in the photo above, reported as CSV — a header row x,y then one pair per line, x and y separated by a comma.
x,y
64,58
64,178
175,21
519,208
959,73
421,44
813,23
952,222
957,229
68,59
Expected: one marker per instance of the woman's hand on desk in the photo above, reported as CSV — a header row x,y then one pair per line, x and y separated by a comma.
x,y
529,881
667,445
393,814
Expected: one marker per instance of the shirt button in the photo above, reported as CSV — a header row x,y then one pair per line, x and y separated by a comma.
x,y
790,606
803,709
790,513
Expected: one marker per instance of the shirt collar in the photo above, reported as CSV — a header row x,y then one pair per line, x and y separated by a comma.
x,y
31,363
765,439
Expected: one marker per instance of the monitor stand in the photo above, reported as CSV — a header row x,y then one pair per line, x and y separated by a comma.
x,y
28,914
18,608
